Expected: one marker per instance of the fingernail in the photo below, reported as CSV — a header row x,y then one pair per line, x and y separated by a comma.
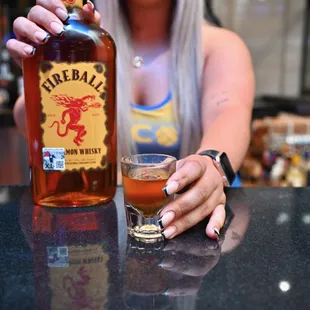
x,y
41,36
60,34
29,50
166,219
171,188
169,247
66,19
169,232
216,232
57,28
47,37
62,14
167,264
91,4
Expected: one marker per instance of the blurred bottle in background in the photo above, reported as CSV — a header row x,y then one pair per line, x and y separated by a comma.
x,y
8,80
11,81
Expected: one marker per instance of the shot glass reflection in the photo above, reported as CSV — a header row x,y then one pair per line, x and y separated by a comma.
x,y
157,273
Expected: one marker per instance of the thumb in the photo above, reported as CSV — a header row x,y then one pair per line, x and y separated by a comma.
x,y
90,14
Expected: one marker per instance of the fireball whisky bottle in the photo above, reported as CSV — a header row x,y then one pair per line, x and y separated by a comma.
x,y
70,94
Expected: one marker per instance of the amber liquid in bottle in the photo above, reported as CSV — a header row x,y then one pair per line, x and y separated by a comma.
x,y
70,93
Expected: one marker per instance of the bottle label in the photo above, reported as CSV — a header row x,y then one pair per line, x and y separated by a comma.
x,y
78,276
74,117
74,3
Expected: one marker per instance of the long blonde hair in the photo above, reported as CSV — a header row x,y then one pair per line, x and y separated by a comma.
x,y
185,71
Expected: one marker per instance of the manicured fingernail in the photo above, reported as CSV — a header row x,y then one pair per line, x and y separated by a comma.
x,y
169,232
57,28
167,264
42,36
29,50
60,34
91,4
171,188
169,247
166,219
47,37
62,14
216,232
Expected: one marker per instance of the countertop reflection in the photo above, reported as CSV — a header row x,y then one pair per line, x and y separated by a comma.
x,y
83,259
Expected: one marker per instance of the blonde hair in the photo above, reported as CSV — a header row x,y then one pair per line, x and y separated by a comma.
x,y
186,70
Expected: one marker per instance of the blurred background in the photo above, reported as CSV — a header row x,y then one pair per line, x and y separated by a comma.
x,y
277,34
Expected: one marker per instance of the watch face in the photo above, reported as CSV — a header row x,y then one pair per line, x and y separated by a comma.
x,y
228,170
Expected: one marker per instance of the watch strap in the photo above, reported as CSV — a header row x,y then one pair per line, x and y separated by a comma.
x,y
225,167
210,153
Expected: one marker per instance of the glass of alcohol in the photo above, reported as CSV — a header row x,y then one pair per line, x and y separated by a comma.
x,y
144,177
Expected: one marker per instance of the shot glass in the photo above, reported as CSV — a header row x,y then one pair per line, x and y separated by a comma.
x,y
144,177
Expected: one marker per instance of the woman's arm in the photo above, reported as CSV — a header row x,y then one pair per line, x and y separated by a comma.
x,y
20,115
228,95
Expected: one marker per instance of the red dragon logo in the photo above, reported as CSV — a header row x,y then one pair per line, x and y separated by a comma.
x,y
74,109
76,290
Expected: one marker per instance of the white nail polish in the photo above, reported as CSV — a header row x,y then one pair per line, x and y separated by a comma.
x,y
57,28
169,232
91,4
29,50
167,218
172,188
41,36
62,14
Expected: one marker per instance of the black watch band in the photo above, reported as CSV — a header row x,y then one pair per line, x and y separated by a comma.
x,y
223,165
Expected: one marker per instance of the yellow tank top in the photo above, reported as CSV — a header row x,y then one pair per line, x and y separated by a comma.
x,y
155,129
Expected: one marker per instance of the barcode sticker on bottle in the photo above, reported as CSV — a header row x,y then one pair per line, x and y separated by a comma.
x,y
62,251
57,256
53,159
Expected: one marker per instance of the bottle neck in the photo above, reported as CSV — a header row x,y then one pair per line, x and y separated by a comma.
x,y
75,13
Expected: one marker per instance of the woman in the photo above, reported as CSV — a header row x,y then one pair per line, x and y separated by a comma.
x,y
166,47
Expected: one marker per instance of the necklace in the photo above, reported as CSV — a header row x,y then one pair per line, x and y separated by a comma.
x,y
138,62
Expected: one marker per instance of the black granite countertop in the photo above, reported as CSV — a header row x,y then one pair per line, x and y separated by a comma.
x,y
82,259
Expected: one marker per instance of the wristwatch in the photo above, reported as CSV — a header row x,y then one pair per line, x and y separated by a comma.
x,y
222,164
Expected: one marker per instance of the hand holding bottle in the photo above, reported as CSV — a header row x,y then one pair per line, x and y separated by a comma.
x,y
47,18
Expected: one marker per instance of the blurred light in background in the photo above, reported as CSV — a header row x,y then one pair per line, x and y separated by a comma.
x,y
306,218
282,218
284,286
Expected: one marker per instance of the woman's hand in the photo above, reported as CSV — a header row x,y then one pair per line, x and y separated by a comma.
x,y
187,262
205,197
46,18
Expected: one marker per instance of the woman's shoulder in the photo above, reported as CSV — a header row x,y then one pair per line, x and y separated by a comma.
x,y
215,39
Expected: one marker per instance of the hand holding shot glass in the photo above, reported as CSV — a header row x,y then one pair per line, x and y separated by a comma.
x,y
144,177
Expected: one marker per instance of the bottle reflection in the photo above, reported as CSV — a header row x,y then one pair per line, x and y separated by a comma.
x,y
159,276
75,257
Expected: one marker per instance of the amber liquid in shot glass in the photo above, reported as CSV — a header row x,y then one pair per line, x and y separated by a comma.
x,y
143,190
144,177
